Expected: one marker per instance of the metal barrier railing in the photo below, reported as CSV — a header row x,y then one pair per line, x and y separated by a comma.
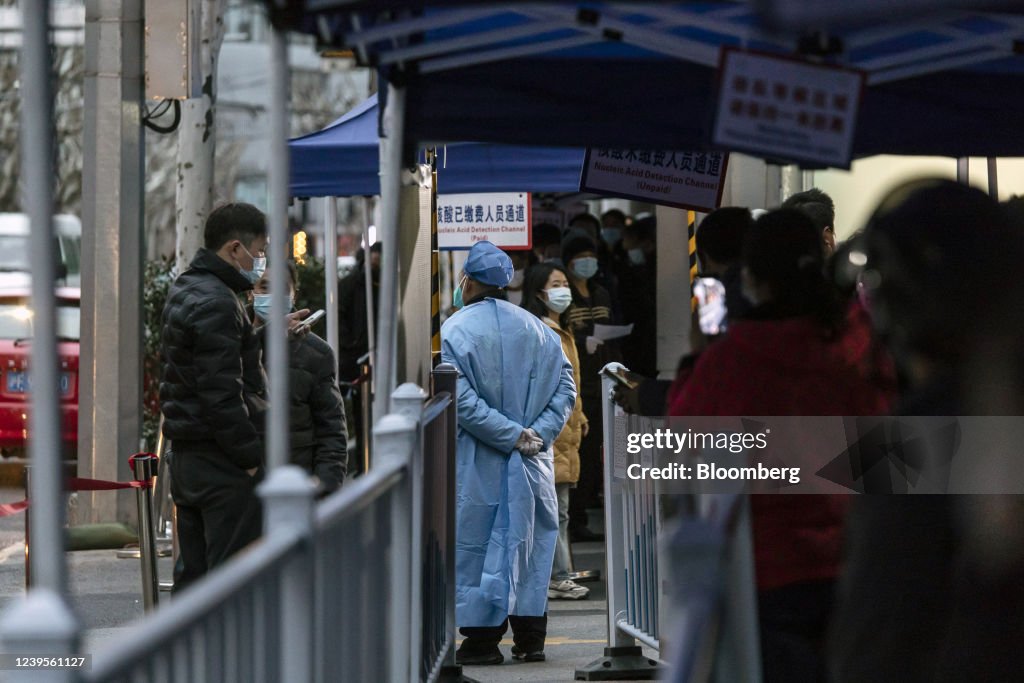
x,y
703,543
632,529
224,629
358,559
358,587
437,529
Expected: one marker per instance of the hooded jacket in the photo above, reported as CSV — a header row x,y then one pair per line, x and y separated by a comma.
x,y
786,367
207,348
567,445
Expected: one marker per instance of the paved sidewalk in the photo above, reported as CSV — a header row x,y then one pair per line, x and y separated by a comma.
x,y
577,633
106,591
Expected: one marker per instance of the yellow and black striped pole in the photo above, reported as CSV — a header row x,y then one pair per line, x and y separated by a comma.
x,y
435,270
691,231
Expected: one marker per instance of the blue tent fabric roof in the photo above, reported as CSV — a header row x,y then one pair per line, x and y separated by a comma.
x,y
343,160
643,74
961,113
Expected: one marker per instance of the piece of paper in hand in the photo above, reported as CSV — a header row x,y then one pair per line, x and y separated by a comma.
x,y
608,332
592,344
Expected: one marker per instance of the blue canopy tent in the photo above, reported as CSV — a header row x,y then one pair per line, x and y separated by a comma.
x,y
643,74
343,160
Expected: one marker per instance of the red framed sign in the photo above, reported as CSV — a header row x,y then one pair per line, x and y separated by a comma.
x,y
783,107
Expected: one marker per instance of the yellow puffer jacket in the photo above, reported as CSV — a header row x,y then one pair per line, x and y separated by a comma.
x,y
567,445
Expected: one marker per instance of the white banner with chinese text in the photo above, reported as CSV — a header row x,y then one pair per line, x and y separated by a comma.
x,y
688,180
502,218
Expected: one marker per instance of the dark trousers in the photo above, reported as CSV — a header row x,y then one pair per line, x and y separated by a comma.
x,y
793,623
218,511
528,633
588,489
355,459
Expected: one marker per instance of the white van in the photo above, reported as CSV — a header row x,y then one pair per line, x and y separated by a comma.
x,y
14,252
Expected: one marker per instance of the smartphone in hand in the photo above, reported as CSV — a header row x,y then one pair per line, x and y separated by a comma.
x,y
711,309
619,378
309,321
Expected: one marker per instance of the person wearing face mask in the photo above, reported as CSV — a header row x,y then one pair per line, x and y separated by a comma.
x,y
317,418
208,352
514,394
589,225
521,261
612,223
547,296
637,277
591,304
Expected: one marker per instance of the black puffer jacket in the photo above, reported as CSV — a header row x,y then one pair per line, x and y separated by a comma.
x,y
207,346
318,432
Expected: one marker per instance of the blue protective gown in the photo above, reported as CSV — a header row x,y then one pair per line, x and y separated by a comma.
x,y
512,375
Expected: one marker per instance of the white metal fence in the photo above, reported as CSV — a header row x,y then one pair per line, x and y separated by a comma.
x,y
679,572
359,587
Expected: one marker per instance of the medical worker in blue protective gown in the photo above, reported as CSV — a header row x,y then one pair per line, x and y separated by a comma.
x,y
515,393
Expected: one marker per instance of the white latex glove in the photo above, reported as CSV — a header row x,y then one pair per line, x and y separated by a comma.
x,y
529,443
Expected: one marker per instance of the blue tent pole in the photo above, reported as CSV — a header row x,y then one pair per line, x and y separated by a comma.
x,y
44,444
963,170
371,331
993,178
331,270
276,341
390,199
42,623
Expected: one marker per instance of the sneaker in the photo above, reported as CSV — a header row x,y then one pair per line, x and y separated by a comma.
x,y
566,590
479,658
524,656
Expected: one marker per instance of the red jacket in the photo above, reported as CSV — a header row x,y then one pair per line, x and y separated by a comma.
x,y
787,367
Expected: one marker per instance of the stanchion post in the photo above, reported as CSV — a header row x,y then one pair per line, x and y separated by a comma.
x,y
288,502
407,401
144,469
444,379
28,511
366,410
394,438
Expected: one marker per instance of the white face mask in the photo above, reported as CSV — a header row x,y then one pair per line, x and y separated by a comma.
x,y
558,299
517,280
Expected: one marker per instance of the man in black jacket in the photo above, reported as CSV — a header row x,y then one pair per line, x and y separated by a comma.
x,y
208,353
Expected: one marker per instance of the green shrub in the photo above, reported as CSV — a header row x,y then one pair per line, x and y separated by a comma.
x,y
311,292
157,278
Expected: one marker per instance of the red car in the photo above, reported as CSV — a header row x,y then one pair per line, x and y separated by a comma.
x,y
15,348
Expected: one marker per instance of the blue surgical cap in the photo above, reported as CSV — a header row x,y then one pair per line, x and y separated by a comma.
x,y
489,265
